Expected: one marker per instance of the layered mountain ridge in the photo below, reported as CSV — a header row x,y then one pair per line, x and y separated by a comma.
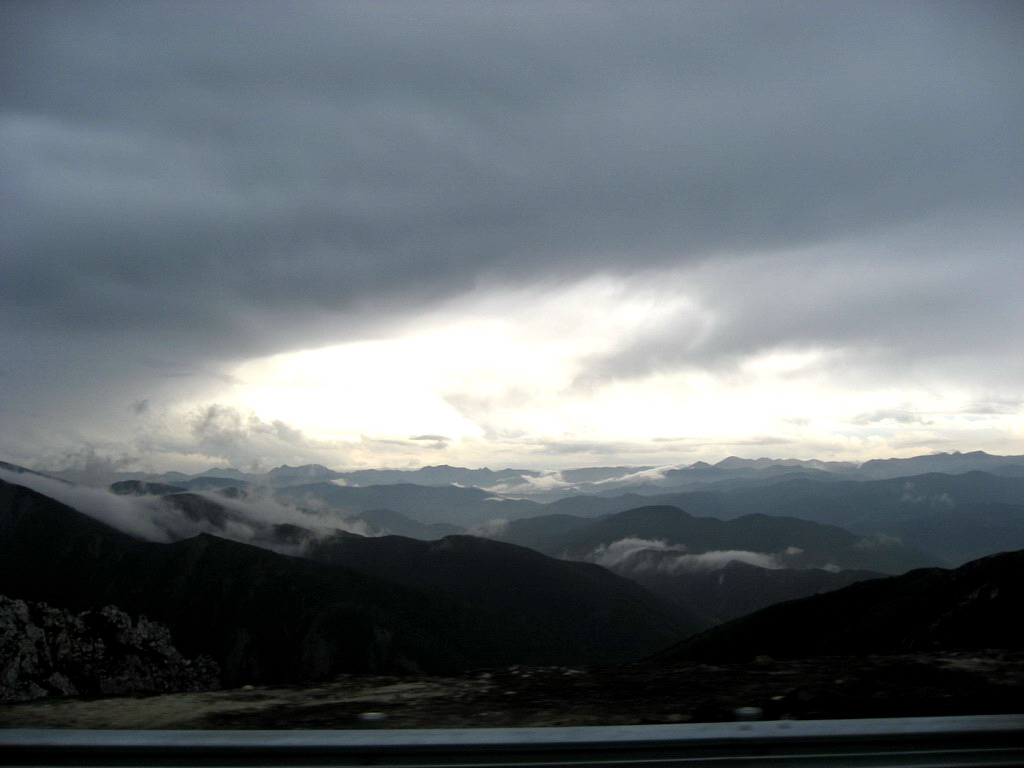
x,y
549,485
268,617
302,576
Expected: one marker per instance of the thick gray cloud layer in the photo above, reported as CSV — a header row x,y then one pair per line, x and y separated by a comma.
x,y
185,184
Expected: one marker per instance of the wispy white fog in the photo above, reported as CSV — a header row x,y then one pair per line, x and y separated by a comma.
x,y
249,518
911,496
492,528
144,517
653,474
545,480
636,554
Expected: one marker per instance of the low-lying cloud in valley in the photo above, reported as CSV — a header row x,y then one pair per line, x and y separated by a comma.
x,y
249,517
530,484
637,555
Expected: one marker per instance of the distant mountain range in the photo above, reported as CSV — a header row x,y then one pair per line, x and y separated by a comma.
x,y
747,542
957,515
717,569
665,533
954,517
547,485
426,504
694,562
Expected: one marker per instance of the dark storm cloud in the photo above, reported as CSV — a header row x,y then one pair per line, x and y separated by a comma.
x,y
185,183
938,299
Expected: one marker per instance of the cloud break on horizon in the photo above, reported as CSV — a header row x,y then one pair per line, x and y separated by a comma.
x,y
540,234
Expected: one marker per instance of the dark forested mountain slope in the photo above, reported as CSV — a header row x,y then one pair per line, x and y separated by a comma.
x,y
536,532
978,605
738,588
387,521
555,601
957,533
262,616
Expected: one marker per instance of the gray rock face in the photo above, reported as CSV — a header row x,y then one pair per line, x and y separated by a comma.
x,y
46,651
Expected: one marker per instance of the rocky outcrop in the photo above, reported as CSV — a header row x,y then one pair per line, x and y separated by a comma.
x,y
47,651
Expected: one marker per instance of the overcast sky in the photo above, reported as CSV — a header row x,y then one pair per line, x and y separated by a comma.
x,y
538,234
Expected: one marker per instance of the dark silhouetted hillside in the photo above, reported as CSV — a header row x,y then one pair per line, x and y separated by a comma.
x,y
569,608
738,588
975,606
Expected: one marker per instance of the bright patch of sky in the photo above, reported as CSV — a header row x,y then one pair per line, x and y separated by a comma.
x,y
486,381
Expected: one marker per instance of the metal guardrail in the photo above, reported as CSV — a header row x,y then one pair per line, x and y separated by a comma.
x,y
946,742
